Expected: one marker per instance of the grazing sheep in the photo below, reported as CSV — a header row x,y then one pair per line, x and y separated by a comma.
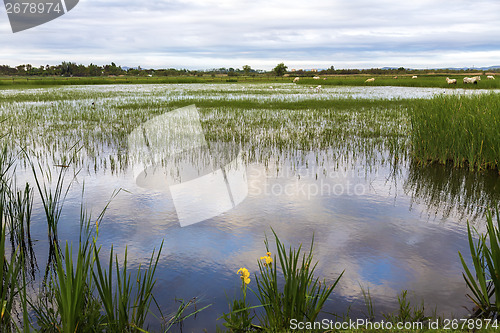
x,y
370,80
324,79
395,77
490,77
472,80
451,81
414,77
296,80
316,77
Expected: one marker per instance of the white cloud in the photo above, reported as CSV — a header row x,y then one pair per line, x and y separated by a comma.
x,y
231,33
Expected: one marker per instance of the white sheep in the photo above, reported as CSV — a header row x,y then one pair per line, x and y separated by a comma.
x,y
490,77
296,80
316,77
472,80
370,80
451,81
414,77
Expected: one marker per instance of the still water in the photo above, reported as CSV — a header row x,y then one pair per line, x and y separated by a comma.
x,y
391,226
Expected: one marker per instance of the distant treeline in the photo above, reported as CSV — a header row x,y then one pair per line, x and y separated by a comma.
x,y
71,69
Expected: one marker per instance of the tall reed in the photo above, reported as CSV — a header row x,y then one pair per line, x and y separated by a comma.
x,y
123,311
9,273
52,201
484,280
461,130
294,293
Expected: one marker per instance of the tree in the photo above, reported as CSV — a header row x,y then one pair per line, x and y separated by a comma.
x,y
94,70
280,69
68,68
247,69
21,69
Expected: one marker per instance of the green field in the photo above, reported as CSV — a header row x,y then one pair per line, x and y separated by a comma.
x,y
436,81
426,80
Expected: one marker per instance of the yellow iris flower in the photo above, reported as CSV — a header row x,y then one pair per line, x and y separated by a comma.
x,y
245,275
267,258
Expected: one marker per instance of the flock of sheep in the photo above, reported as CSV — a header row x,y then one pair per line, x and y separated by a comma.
x,y
473,80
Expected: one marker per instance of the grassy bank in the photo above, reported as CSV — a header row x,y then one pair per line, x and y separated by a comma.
x,y
39,82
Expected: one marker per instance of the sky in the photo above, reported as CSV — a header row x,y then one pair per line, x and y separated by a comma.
x,y
205,34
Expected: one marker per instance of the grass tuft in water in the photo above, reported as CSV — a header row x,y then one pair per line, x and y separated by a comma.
x,y
484,280
462,130
294,292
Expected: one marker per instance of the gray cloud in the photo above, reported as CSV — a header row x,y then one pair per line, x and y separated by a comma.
x,y
231,33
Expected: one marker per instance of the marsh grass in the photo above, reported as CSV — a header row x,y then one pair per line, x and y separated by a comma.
x,y
52,202
287,288
461,130
256,118
71,286
15,221
10,271
483,280
77,294
124,312
239,318
407,313
73,282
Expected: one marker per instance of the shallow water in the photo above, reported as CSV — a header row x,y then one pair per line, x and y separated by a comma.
x,y
390,226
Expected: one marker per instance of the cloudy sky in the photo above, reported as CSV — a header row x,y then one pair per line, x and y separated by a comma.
x,y
203,34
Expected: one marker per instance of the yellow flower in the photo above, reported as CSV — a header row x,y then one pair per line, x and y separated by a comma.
x,y
245,275
268,259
